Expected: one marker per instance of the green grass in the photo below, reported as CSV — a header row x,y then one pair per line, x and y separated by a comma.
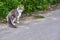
x,y
29,6
39,16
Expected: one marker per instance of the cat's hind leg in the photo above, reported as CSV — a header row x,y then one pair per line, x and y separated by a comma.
x,y
11,22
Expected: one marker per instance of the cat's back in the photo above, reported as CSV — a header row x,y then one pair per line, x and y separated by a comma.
x,y
12,12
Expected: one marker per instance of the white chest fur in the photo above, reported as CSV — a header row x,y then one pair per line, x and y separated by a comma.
x,y
19,11
19,14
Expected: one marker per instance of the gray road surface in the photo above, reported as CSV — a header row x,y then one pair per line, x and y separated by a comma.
x,y
45,29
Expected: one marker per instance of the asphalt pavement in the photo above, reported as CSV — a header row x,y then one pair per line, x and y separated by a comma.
x,y
45,29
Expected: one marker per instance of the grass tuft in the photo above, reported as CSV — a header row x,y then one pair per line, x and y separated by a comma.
x,y
39,16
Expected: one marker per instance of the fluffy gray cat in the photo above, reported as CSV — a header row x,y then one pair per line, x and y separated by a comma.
x,y
14,15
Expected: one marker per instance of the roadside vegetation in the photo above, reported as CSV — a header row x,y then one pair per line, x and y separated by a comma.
x,y
39,16
29,5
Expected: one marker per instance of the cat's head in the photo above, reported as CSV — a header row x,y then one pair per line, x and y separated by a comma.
x,y
20,8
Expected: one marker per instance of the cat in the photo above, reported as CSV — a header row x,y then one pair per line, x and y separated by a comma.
x,y
14,15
